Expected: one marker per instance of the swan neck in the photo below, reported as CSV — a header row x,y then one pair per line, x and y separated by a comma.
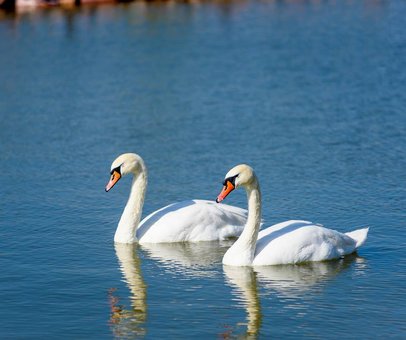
x,y
130,219
242,251
254,213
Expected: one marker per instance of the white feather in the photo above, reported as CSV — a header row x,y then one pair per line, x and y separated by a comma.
x,y
192,221
288,242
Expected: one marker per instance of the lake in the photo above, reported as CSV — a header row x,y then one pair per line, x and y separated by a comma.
x,y
311,94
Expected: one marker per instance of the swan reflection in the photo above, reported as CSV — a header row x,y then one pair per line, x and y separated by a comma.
x,y
129,322
296,280
244,283
196,259
284,281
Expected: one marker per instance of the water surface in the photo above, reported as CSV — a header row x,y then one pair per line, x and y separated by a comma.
x,y
312,95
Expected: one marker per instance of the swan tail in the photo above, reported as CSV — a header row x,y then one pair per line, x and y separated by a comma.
x,y
359,235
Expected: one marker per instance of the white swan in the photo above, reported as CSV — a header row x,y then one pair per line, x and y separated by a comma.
x,y
194,220
282,243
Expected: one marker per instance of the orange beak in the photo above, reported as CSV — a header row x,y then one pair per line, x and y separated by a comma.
x,y
226,190
115,176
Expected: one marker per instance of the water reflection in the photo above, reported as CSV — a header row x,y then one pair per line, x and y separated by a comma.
x,y
129,322
196,259
244,282
296,280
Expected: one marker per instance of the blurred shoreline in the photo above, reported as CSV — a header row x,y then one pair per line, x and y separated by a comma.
x,y
30,5
26,5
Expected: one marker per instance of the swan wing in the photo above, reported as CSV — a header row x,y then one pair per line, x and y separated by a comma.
x,y
193,221
301,241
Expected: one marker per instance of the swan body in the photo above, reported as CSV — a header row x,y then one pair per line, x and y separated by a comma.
x,y
288,242
188,221
192,221
302,241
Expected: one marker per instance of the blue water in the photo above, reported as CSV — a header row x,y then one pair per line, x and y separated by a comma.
x,y
311,94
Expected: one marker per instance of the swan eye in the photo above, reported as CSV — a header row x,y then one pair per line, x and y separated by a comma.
x,y
118,169
231,180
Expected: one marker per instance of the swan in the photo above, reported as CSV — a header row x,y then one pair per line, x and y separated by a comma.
x,y
193,220
288,242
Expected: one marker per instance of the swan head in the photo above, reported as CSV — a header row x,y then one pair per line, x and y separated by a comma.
x,y
123,165
240,175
